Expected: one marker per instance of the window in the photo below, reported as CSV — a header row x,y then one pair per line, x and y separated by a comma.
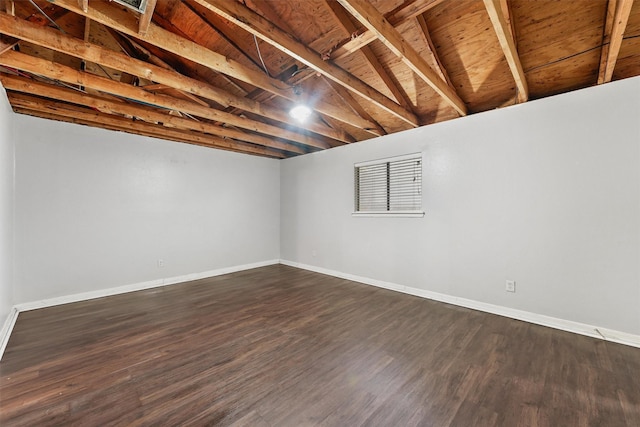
x,y
389,187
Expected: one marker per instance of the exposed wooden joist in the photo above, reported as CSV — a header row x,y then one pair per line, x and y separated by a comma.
x,y
144,113
606,39
346,96
404,13
54,110
618,12
424,29
168,89
57,41
506,11
260,27
226,32
340,14
8,43
387,34
503,30
8,6
145,18
267,10
69,75
123,21
198,38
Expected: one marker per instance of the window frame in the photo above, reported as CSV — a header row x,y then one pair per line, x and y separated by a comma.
x,y
417,213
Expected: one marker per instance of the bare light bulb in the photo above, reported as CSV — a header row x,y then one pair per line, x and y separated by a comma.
x,y
300,112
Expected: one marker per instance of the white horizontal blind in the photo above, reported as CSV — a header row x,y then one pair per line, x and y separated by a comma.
x,y
391,185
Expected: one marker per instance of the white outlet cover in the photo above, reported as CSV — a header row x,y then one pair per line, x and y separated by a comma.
x,y
511,286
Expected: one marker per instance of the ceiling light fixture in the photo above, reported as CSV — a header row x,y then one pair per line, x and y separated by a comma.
x,y
300,111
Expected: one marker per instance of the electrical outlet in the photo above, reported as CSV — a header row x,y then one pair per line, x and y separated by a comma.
x,y
511,286
160,263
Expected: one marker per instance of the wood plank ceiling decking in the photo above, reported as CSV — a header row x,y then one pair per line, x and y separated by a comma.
x,y
225,73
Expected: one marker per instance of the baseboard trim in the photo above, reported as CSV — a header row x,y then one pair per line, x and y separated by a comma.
x,y
5,333
7,328
526,316
84,296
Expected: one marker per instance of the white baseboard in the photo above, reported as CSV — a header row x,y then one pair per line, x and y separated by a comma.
x,y
7,328
33,305
539,319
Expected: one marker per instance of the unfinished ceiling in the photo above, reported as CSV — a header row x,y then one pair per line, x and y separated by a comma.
x,y
226,73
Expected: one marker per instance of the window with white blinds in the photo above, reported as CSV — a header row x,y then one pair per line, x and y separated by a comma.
x,y
389,186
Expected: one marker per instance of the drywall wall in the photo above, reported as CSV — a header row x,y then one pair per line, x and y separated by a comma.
x,y
97,209
6,207
546,193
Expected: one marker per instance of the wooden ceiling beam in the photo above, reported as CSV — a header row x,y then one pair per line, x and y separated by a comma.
x,y
8,6
125,22
606,39
618,12
506,11
145,18
424,30
8,43
239,86
54,40
148,114
267,10
179,93
54,110
341,15
346,96
69,75
503,31
255,24
387,34
396,17
229,35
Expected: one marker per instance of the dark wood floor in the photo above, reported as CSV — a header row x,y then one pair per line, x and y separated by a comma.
x,y
277,346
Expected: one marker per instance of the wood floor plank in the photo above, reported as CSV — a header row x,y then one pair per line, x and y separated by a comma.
x,y
279,346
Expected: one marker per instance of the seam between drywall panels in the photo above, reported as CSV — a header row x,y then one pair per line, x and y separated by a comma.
x,y
526,316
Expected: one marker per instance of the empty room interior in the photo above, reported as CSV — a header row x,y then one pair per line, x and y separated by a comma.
x,y
320,212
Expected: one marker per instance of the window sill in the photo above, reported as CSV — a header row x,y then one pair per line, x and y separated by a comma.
x,y
395,214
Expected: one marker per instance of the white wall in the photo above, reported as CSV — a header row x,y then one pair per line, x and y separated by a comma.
x,y
6,207
97,209
546,194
